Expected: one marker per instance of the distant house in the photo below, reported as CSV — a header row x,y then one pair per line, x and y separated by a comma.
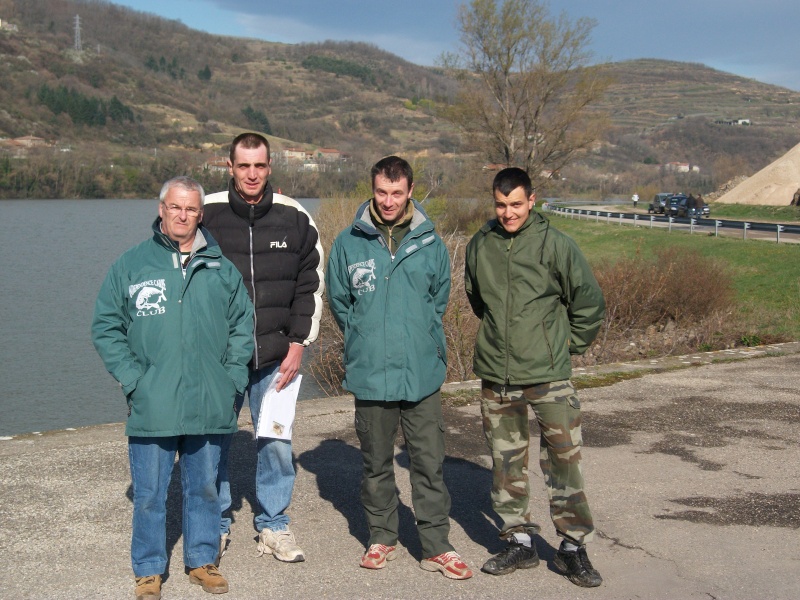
x,y
6,26
733,122
217,164
29,141
20,146
328,154
291,154
677,167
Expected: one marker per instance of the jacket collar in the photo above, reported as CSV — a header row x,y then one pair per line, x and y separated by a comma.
x,y
365,223
203,240
536,221
242,208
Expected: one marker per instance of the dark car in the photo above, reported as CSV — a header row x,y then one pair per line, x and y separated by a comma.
x,y
692,208
672,204
659,203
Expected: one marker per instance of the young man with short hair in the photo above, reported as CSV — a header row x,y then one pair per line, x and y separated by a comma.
x,y
388,283
274,243
539,303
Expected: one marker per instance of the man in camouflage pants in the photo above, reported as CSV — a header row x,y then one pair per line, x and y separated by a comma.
x,y
538,302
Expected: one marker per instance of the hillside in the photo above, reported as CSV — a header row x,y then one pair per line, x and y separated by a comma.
x,y
154,66
146,96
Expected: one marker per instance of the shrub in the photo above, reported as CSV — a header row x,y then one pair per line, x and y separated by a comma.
x,y
325,366
678,289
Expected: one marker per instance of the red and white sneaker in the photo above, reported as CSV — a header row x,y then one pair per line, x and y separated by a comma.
x,y
377,556
449,564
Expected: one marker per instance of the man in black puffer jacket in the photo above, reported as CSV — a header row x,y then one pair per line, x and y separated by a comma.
x,y
275,245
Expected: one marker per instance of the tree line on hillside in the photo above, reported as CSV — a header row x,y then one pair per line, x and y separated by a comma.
x,y
82,109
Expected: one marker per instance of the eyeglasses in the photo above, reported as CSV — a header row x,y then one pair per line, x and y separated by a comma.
x,y
174,209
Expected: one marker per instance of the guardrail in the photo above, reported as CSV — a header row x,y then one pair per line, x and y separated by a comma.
x,y
693,223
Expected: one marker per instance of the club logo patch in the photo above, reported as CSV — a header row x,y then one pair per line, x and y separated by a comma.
x,y
361,276
149,296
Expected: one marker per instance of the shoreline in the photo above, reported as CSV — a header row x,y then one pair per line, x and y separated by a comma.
x,y
643,366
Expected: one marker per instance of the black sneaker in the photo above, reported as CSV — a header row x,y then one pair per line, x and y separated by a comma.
x,y
515,556
577,567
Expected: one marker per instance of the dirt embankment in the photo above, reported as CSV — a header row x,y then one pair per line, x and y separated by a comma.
x,y
774,185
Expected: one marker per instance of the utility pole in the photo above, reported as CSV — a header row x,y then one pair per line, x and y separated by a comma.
x,y
78,46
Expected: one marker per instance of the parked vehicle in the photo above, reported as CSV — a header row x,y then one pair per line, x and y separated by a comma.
x,y
659,203
691,208
672,203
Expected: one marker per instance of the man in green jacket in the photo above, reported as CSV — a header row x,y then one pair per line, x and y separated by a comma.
x,y
388,282
538,303
173,324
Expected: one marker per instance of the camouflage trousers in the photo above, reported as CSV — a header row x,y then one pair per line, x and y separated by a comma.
x,y
506,427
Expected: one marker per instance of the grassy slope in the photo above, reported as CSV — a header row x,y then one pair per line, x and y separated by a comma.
x,y
777,214
766,275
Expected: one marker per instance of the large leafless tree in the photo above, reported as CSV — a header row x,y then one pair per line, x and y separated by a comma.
x,y
527,86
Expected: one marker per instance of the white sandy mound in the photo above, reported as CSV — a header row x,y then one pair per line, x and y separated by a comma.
x,y
774,185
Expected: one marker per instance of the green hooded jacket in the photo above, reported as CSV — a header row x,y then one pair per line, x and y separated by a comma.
x,y
178,346
390,308
537,299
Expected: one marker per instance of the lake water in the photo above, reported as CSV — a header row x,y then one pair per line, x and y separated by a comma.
x,y
54,255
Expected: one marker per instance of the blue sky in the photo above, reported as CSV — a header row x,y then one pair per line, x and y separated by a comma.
x,y
751,39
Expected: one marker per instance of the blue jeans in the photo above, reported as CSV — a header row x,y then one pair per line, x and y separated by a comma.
x,y
151,462
274,468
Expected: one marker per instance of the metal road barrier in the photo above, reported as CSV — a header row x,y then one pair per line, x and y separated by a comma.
x,y
692,225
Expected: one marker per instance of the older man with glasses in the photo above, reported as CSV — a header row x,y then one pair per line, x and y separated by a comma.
x,y
173,325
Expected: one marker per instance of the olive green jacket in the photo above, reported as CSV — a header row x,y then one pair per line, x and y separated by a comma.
x,y
537,299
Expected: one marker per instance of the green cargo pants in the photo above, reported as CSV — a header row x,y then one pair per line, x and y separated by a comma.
x,y
505,425
423,429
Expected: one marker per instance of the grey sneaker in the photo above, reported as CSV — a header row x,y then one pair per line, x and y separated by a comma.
x,y
223,547
281,544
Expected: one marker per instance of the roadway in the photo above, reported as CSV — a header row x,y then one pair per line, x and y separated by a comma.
x,y
778,232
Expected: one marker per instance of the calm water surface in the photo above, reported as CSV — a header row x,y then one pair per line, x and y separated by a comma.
x,y
54,255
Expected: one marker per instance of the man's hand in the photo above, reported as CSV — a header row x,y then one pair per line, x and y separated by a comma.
x,y
290,365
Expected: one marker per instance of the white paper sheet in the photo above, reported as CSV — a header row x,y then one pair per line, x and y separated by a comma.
x,y
276,418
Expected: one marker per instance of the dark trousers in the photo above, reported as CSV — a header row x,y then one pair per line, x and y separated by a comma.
x,y
423,429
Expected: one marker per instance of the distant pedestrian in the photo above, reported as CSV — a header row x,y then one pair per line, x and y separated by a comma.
x,y
635,199
173,325
539,303
388,283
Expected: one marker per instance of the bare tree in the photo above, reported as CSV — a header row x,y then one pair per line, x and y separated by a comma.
x,y
526,87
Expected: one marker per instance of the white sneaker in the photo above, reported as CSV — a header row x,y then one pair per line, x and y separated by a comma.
x,y
280,543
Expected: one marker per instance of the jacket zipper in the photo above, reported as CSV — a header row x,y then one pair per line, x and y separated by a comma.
x,y
253,285
508,304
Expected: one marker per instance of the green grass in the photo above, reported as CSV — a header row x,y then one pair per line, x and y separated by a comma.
x,y
745,212
766,275
583,382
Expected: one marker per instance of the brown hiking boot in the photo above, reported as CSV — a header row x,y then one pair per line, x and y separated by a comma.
x,y
210,578
148,588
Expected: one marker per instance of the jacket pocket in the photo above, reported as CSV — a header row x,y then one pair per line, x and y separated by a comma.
x,y
351,345
438,343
